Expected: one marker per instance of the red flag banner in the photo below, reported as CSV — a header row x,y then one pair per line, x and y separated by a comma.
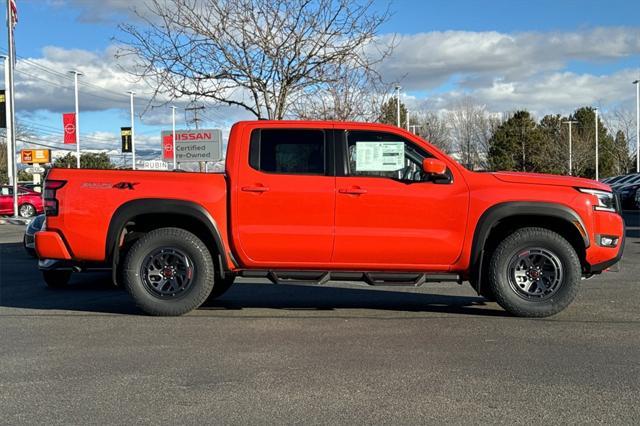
x,y
14,13
167,147
69,124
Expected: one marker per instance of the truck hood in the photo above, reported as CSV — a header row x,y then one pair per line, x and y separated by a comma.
x,y
544,179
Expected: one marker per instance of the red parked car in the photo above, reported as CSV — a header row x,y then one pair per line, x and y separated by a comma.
x,y
29,202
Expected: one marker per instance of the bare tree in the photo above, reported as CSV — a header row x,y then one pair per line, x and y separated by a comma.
x,y
255,54
471,128
622,123
355,95
435,129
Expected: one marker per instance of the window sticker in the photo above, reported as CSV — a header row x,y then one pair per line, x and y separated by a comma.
x,y
379,156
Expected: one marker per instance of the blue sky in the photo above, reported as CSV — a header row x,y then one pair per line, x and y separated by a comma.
x,y
546,56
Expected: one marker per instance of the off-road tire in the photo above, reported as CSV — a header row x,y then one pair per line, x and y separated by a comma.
x,y
503,287
202,273
56,278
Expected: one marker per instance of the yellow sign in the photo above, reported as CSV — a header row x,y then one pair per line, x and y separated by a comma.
x,y
35,156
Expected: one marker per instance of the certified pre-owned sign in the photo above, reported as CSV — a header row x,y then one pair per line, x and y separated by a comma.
x,y
193,145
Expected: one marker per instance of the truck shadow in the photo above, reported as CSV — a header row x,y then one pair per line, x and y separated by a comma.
x,y
22,287
326,298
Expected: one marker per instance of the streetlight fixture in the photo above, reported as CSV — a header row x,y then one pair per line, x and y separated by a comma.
x,y
570,122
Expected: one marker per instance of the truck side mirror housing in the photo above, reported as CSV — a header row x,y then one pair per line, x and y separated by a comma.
x,y
434,167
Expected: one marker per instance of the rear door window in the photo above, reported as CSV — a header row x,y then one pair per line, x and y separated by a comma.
x,y
288,151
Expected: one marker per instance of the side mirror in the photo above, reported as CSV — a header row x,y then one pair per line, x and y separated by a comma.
x,y
433,166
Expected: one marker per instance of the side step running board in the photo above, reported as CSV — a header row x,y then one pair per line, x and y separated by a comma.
x,y
372,278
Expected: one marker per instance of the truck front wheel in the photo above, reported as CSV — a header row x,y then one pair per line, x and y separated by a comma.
x,y
168,272
534,272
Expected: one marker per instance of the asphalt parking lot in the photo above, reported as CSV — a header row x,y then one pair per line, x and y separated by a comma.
x,y
320,355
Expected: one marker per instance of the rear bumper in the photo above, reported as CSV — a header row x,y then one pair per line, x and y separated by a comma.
x,y
50,245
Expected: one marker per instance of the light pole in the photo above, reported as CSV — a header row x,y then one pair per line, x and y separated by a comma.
x,y
75,79
173,137
398,104
133,137
7,99
595,110
408,118
570,122
11,104
637,83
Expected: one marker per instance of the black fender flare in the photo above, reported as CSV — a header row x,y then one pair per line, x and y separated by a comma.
x,y
133,208
493,215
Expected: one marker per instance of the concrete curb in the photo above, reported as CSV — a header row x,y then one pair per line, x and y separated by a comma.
x,y
14,221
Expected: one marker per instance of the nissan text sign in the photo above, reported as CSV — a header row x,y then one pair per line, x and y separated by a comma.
x,y
193,145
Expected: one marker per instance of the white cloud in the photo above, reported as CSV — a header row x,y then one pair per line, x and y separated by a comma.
x,y
427,60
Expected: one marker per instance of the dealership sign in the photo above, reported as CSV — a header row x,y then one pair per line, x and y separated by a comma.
x,y
193,145
35,156
155,165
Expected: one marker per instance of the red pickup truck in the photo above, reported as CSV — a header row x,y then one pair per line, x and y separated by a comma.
x,y
318,201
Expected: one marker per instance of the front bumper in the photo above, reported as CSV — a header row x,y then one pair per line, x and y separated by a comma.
x,y
601,258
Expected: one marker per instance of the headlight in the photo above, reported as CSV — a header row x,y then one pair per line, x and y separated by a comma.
x,y
606,202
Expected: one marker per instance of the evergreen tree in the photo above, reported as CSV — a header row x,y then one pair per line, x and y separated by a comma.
x,y
89,160
389,113
584,138
621,154
513,142
552,153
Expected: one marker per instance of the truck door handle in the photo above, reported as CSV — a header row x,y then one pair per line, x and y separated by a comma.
x,y
255,188
353,191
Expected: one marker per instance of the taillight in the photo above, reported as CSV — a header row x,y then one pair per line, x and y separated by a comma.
x,y
49,196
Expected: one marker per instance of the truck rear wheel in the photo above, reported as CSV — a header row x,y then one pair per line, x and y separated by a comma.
x,y
534,272
168,272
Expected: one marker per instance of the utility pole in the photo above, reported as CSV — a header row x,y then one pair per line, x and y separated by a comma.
x,y
11,106
196,120
637,83
173,138
398,104
195,110
595,110
408,118
133,137
570,122
7,100
75,79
